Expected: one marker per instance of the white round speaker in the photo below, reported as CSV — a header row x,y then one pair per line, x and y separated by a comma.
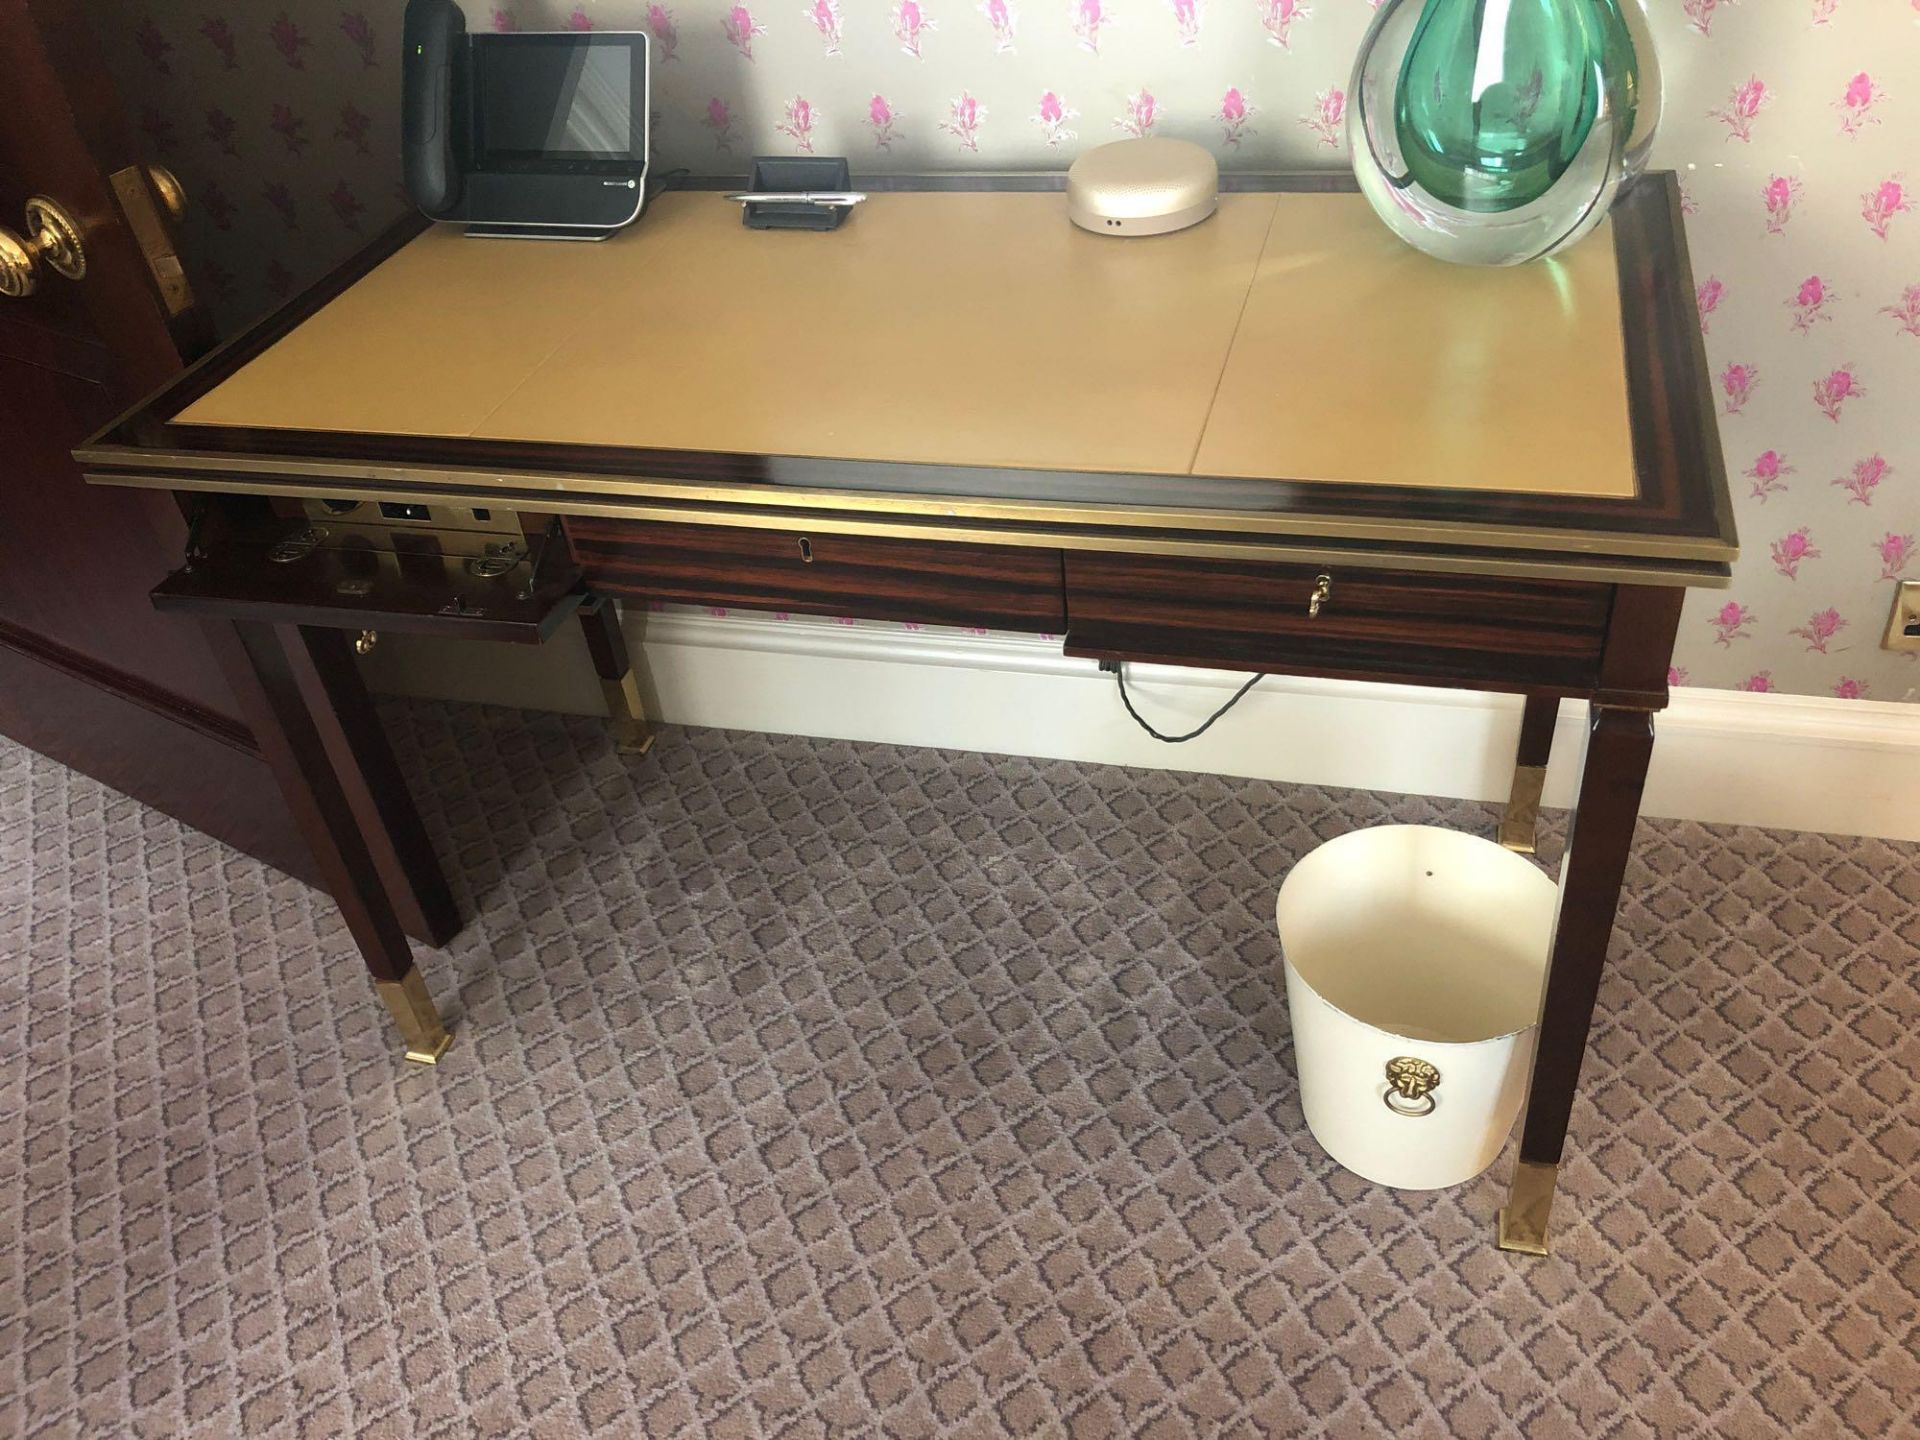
x,y
1142,187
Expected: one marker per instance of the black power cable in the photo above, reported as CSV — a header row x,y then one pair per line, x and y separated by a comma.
x,y
1120,675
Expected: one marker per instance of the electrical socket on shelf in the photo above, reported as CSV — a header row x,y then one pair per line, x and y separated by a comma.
x,y
1903,622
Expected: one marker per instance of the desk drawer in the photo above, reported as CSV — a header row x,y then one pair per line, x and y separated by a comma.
x,y
1396,625
876,578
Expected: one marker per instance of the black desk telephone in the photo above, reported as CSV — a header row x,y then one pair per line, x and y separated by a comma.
x,y
539,133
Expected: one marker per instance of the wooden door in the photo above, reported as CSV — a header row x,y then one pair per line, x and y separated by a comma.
x,y
90,674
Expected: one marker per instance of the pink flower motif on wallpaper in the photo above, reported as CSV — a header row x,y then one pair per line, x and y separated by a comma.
x,y
880,119
503,23
1896,553
1328,116
719,120
290,128
219,34
1823,10
157,128
1277,18
221,128
1052,118
1864,478
152,45
1730,623
1758,683
579,19
1688,205
358,29
1676,675
739,26
825,18
910,26
289,41
1742,107
1906,313
1088,21
1879,205
1234,115
1811,303
1856,106
1833,391
1779,195
1699,13
1820,628
353,127
1767,473
797,123
280,198
666,34
965,116
347,208
216,204
1140,116
1707,298
1186,21
1847,688
1736,383
1000,20
1792,548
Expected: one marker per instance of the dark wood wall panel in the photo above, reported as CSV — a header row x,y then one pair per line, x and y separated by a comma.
x,y
211,780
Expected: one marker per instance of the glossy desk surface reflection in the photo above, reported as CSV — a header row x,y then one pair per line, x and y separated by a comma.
x,y
1289,337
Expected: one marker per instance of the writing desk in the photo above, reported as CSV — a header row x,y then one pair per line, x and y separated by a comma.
x,y
1279,441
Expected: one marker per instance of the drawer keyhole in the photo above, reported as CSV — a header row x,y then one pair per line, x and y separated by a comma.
x,y
1322,592
806,551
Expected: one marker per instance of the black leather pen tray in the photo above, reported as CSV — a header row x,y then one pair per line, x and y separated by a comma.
x,y
797,172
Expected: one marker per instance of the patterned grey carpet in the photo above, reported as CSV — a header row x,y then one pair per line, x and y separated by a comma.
x,y
807,1088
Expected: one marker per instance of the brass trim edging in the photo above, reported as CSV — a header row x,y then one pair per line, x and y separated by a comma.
x,y
322,478
1523,565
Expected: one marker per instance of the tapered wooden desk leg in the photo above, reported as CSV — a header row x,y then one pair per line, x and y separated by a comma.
x,y
607,644
324,660
1520,825
1613,772
290,738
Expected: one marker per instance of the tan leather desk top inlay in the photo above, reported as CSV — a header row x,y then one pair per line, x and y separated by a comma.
x,y
1291,336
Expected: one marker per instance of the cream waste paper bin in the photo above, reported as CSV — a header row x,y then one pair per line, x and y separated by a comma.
x,y
1415,958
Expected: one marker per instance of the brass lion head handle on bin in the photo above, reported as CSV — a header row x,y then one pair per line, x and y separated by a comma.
x,y
1410,1086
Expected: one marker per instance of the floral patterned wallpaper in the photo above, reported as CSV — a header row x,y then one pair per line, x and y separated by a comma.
x,y
1795,125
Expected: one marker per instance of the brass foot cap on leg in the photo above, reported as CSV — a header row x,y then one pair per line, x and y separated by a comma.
x,y
632,739
431,1057
1523,1219
413,1011
1520,825
632,735
1518,1237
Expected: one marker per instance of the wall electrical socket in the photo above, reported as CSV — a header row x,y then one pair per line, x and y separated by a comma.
x,y
1903,625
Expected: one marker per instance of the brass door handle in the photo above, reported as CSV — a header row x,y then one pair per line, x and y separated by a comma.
x,y
52,239
173,195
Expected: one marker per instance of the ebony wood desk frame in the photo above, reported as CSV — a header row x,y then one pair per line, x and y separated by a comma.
x,y
1548,597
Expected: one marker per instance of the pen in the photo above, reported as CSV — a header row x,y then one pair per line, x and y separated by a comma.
x,y
839,199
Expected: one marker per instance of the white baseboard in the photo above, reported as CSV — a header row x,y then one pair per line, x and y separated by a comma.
x,y
1790,762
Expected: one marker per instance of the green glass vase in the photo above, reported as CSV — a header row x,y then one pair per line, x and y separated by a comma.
x,y
1492,132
